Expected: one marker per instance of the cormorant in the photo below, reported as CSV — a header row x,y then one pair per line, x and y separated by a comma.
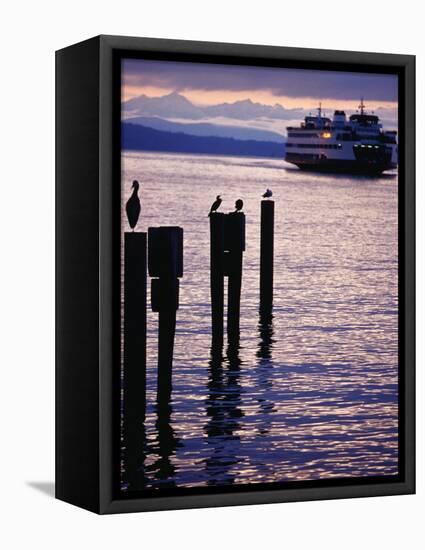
x,y
215,205
267,194
238,205
133,206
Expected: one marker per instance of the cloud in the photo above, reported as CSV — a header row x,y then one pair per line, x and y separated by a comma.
x,y
299,83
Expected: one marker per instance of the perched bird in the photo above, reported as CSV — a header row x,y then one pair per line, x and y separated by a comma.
x,y
133,206
267,194
238,205
215,205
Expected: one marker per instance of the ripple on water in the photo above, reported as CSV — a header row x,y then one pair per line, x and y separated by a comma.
x,y
312,392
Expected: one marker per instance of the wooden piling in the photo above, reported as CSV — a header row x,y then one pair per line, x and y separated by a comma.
x,y
227,242
165,294
165,262
217,276
166,334
234,247
134,368
266,255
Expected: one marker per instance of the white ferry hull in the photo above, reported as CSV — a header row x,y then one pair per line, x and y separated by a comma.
x,y
358,145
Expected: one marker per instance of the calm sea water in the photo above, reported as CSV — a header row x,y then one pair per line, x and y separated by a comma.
x,y
310,395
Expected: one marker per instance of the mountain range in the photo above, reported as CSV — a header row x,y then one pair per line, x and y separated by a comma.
x,y
177,106
172,123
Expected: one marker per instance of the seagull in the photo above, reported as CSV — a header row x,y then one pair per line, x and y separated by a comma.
x,y
267,194
133,206
215,205
238,205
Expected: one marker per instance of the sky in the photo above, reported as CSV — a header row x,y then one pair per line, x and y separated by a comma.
x,y
296,90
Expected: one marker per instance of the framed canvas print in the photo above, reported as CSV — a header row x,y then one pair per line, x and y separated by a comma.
x,y
235,274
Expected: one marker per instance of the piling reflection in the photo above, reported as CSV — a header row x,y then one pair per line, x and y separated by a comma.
x,y
165,446
265,367
224,412
133,455
266,331
147,458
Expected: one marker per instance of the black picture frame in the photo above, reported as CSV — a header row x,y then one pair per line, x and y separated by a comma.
x,y
87,268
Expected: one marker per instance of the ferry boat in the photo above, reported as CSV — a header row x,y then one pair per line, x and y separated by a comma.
x,y
356,145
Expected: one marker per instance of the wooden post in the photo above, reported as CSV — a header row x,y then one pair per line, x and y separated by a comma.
x,y
165,261
134,404
266,255
217,276
165,292
234,247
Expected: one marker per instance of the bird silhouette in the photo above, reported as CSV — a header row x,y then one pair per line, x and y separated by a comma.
x,y
133,206
215,205
238,205
267,194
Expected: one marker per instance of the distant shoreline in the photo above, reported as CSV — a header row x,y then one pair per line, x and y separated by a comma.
x,y
142,138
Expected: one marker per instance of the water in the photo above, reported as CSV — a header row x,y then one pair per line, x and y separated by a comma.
x,y
311,394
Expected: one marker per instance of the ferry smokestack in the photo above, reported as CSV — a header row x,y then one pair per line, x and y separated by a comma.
x,y
339,118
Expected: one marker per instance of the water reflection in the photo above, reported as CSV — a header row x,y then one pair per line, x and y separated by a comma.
x,y
317,377
265,368
265,329
224,411
164,447
133,455
147,461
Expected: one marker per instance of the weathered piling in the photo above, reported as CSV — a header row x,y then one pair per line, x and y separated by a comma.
x,y
134,368
165,263
234,245
227,233
266,254
217,276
